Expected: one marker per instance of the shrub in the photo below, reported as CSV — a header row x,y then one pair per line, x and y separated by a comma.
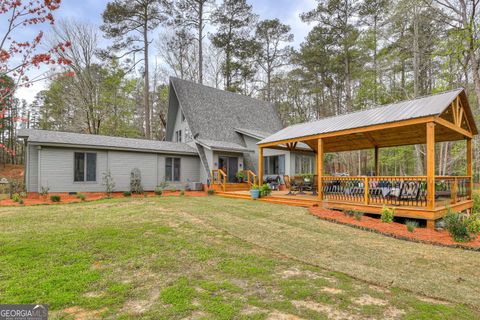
x,y
136,181
457,225
411,225
81,196
55,198
211,192
349,213
127,193
21,201
173,189
15,186
387,214
44,192
23,194
474,225
108,183
16,197
476,202
182,193
358,215
158,191
265,190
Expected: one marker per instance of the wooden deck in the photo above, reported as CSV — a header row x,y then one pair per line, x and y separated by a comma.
x,y
309,200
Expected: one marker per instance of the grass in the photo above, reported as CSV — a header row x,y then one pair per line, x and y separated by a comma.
x,y
215,258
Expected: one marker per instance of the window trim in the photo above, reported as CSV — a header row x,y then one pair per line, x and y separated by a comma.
x,y
85,167
311,164
173,169
178,135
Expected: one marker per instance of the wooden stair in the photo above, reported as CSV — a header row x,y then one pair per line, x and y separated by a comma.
x,y
291,202
231,187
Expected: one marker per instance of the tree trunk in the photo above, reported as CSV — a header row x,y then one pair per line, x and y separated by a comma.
x,y
146,89
200,42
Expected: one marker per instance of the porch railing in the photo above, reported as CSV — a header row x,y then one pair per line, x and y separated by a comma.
x,y
251,177
395,191
219,177
452,189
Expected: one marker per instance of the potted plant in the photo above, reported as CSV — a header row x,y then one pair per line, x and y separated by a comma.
x,y
307,177
265,190
255,192
240,176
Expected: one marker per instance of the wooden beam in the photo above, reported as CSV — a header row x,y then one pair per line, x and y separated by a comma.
x,y
320,168
369,137
430,165
260,166
453,127
377,167
469,165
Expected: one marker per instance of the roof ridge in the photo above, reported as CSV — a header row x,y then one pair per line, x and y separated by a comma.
x,y
379,106
220,90
95,135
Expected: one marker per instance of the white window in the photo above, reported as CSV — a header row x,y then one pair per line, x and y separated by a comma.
x,y
304,164
172,169
84,167
178,136
274,165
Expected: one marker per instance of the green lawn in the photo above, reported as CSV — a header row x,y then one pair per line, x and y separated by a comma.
x,y
210,257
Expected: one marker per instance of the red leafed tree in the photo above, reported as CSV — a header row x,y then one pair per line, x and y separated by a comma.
x,y
18,57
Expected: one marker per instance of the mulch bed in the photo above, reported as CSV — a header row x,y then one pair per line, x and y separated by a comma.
x,y
394,229
35,199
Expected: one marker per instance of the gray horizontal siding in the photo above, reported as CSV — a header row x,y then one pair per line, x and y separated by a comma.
x,y
122,163
56,169
32,169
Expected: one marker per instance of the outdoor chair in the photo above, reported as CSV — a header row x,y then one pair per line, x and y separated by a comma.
x,y
299,183
410,190
290,186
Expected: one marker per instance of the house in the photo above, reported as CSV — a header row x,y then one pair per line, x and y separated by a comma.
x,y
225,128
207,129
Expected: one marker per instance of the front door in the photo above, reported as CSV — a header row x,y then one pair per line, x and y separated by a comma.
x,y
230,166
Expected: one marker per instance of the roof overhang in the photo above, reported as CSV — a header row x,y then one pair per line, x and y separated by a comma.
x,y
96,147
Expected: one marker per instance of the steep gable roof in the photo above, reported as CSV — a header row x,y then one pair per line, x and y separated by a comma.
x,y
213,114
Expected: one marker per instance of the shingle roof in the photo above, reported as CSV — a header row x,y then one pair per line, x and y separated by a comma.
x,y
223,145
103,142
417,108
258,134
213,114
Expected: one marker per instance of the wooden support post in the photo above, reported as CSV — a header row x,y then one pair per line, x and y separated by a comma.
x,y
260,166
430,165
377,168
320,168
469,166
431,224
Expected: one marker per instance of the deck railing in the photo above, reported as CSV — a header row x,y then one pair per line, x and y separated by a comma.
x,y
396,191
219,177
251,177
452,189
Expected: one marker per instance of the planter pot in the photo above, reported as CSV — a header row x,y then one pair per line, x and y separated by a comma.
x,y
255,194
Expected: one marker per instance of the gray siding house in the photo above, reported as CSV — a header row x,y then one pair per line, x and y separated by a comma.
x,y
207,129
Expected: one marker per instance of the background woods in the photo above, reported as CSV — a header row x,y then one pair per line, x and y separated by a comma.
x,y
358,54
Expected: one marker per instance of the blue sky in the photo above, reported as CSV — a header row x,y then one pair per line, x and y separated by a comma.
x,y
287,11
